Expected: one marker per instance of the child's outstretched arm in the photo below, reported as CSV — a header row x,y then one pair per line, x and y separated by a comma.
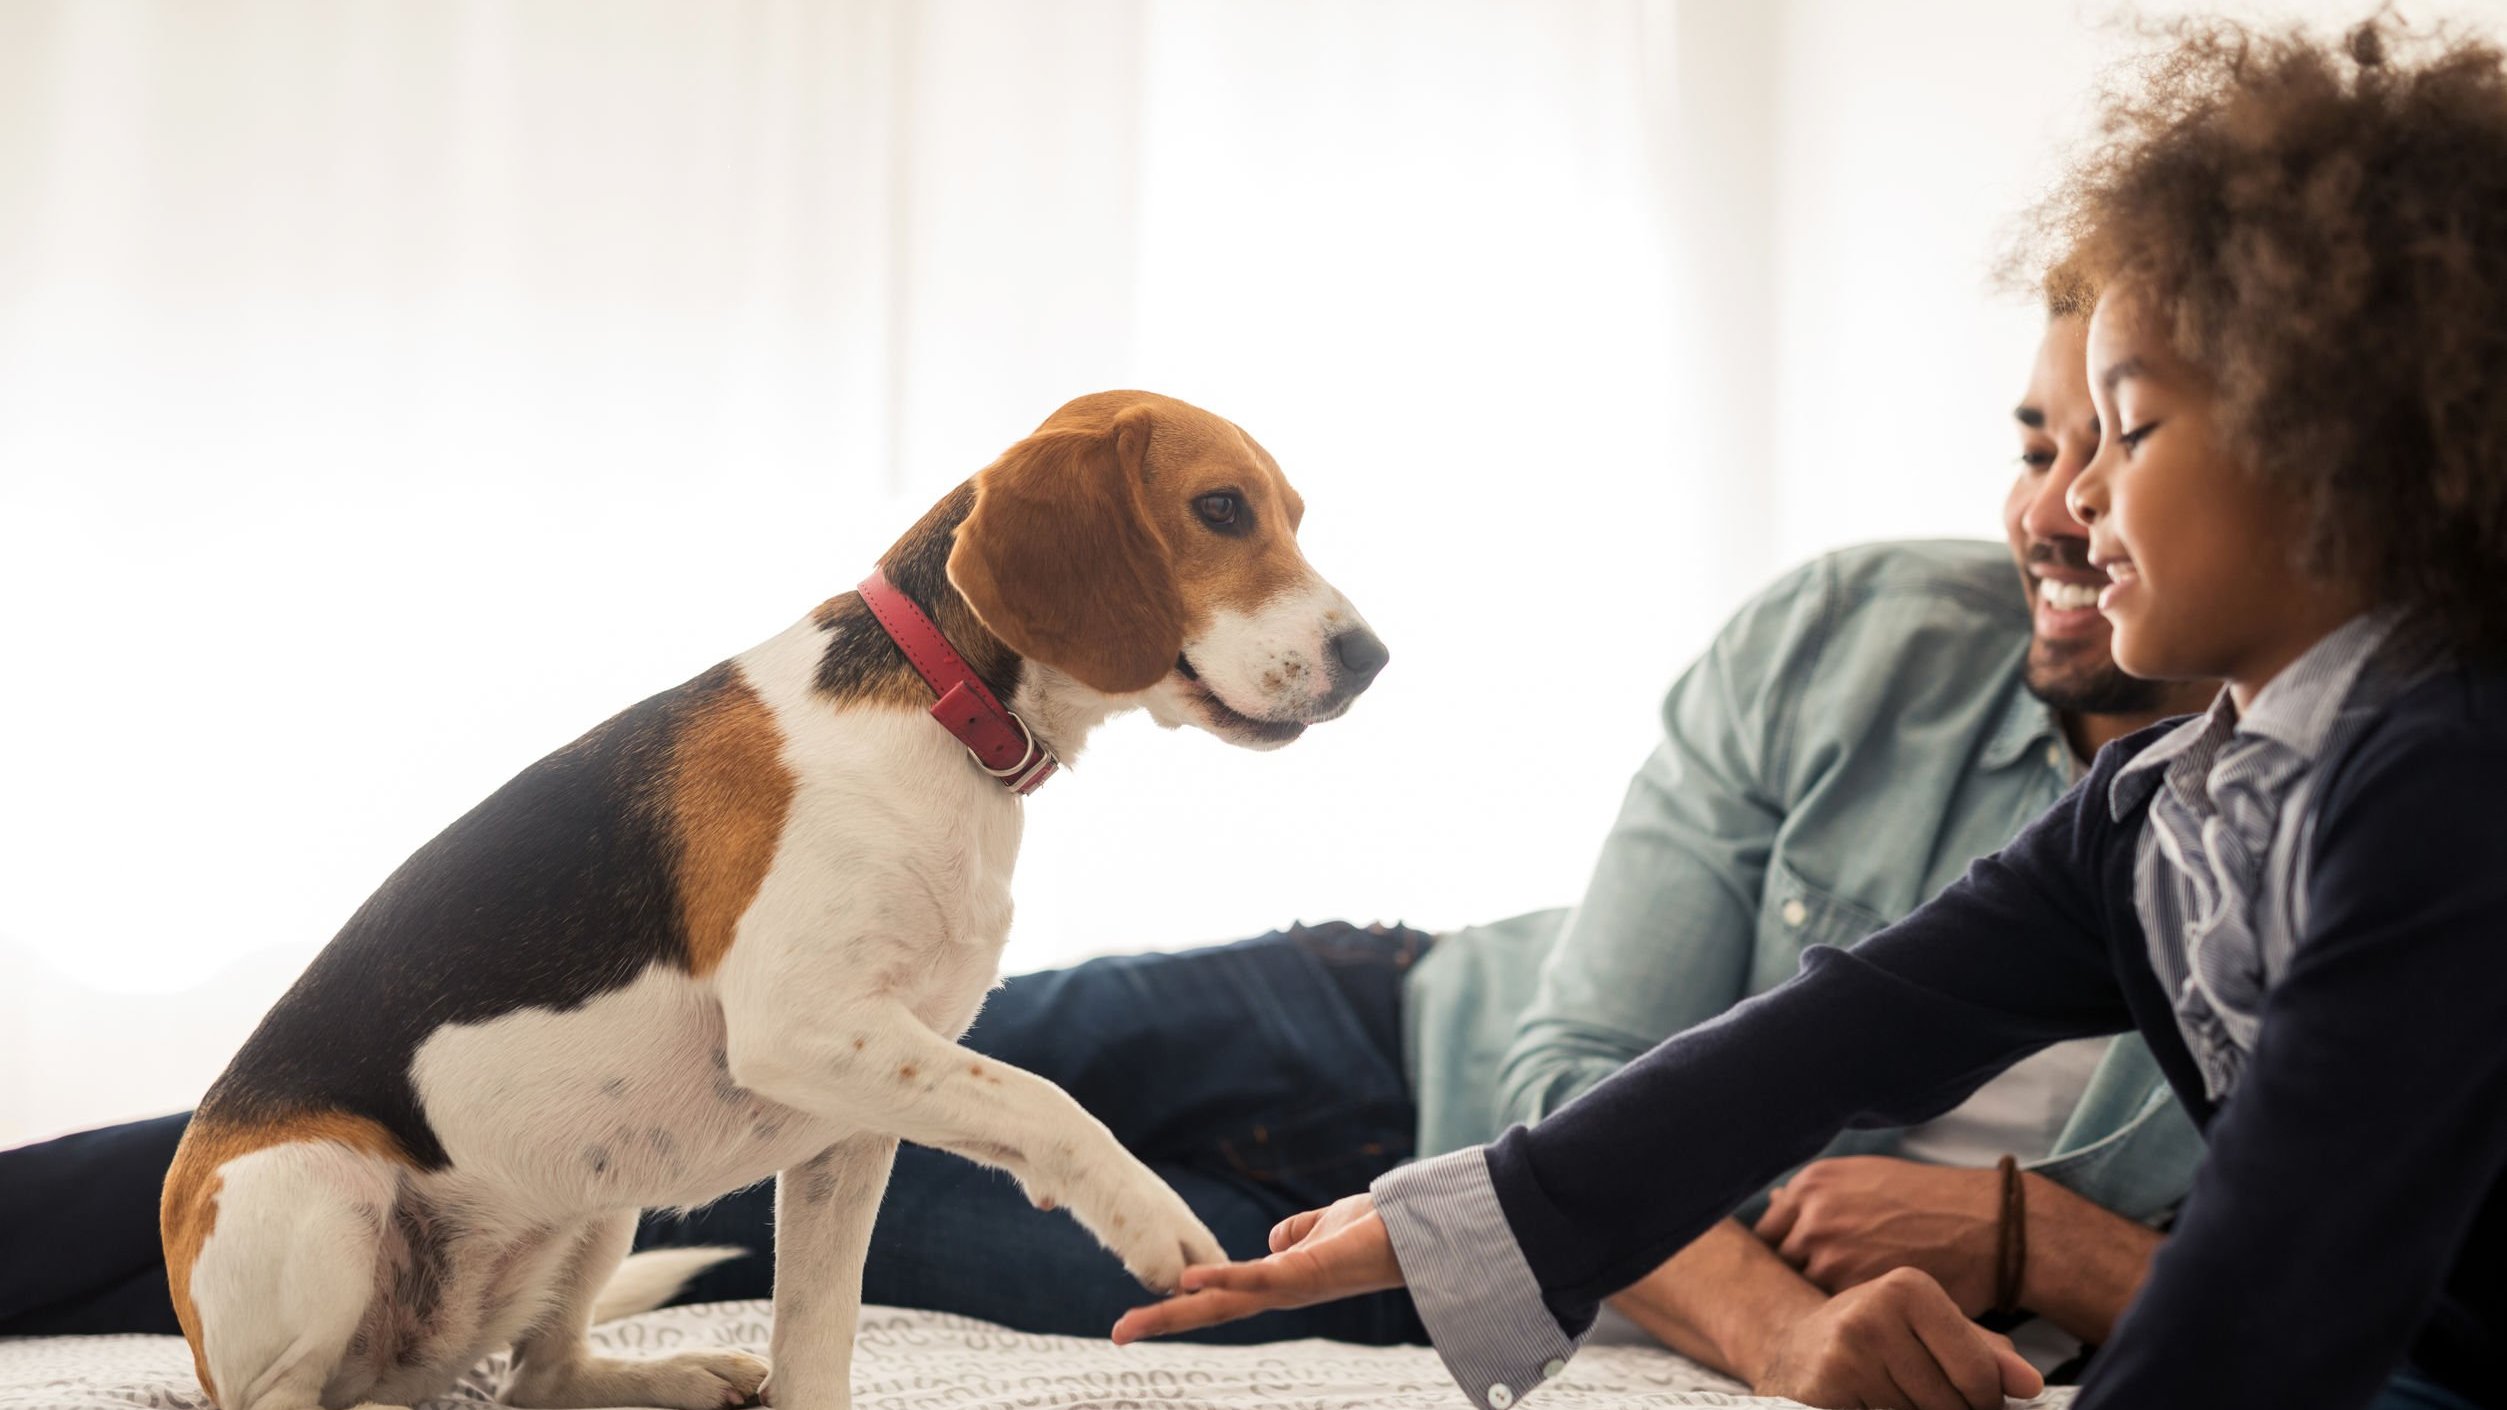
x,y
1509,1249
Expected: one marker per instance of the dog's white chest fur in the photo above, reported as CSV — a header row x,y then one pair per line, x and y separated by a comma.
x,y
627,1100
891,880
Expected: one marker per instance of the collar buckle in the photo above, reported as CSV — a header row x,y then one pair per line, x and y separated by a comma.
x,y
1032,768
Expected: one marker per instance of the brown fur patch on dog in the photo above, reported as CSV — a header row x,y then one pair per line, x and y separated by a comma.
x,y
1063,557
729,790
1086,550
188,1213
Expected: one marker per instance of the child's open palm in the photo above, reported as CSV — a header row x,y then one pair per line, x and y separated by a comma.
x,y
1322,1255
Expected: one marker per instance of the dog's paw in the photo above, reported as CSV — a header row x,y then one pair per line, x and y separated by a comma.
x,y
691,1380
743,1376
1156,1234
703,1380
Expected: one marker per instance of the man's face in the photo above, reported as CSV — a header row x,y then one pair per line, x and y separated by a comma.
x,y
2071,661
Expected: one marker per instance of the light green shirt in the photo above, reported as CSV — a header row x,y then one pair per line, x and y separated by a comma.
x,y
1852,740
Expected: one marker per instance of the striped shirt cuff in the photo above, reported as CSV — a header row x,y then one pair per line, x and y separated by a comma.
x,y
1468,1278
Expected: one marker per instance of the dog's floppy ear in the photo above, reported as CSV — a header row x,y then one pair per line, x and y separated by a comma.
x,y
1061,561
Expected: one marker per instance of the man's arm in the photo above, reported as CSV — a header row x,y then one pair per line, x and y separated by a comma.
x,y
2085,1261
1892,1032
1847,1221
1760,1305
1728,1302
1665,934
1716,1300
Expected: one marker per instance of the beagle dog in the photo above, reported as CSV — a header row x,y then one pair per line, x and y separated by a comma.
x,y
733,932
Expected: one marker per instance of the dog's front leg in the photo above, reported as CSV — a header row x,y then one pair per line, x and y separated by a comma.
x,y
823,1213
873,1064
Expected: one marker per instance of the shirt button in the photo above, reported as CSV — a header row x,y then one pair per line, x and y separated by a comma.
x,y
1500,1397
1795,913
1552,1369
2057,756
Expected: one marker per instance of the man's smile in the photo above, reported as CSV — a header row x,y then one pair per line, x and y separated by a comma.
x,y
2065,601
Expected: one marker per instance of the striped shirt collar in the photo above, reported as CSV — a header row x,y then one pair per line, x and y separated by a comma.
x,y
2218,873
2296,709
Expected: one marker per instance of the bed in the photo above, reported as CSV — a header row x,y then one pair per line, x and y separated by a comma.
x,y
933,1361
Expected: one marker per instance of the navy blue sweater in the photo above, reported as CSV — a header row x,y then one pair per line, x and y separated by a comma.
x,y
2350,1216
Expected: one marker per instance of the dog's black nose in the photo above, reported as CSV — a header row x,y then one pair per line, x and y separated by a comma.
x,y
1361,654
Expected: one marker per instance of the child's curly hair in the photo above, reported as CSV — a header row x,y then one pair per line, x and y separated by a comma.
x,y
2323,230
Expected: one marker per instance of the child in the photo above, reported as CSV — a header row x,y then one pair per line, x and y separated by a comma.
x,y
2298,351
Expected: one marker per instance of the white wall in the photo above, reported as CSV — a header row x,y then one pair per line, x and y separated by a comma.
x,y
1911,137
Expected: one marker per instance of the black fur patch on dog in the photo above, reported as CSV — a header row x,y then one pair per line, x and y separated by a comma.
x,y
555,890
860,662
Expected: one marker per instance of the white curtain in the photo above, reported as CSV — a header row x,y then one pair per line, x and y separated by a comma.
x,y
390,391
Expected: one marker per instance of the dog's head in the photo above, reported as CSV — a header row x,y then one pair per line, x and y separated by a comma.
x,y
1148,549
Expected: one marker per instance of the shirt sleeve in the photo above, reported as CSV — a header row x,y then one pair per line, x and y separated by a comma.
x,y
1666,931
1890,1032
1478,1300
2356,1155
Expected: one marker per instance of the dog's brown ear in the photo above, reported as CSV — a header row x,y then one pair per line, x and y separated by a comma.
x,y
1061,561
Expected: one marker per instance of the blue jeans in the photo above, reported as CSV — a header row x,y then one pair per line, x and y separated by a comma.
x,y
1258,1079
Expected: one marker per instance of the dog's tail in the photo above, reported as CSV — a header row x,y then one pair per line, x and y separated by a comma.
x,y
649,1280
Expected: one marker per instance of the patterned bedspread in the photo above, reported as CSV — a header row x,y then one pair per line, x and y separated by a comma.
x,y
933,1361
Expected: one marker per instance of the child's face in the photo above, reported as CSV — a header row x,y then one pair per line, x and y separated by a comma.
x,y
2199,549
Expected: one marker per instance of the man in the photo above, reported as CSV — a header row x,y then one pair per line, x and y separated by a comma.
x,y
1852,739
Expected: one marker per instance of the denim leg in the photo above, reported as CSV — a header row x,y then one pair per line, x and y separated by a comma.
x,y
1289,1040
79,1246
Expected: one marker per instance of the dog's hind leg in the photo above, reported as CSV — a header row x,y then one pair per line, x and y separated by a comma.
x,y
824,1208
283,1282
556,1369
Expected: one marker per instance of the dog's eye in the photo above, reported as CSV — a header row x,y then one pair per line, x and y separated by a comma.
x,y
1220,511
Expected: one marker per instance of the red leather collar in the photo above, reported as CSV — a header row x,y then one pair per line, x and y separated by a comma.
x,y
1000,742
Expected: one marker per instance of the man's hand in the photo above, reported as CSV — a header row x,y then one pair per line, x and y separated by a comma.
x,y
1847,1221
1321,1255
1897,1340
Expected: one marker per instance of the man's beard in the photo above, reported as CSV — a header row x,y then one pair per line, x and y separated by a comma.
x,y
2080,689
2078,678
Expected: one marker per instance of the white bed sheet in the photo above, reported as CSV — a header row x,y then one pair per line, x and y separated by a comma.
x,y
933,1361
